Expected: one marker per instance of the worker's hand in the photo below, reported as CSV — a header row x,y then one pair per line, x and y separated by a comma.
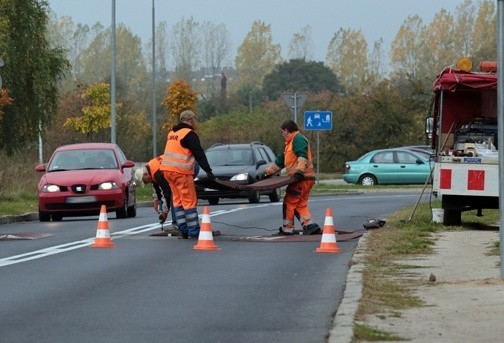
x,y
298,177
210,176
264,175
162,217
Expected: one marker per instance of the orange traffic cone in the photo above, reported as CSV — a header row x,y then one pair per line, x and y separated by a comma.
x,y
205,238
102,232
328,242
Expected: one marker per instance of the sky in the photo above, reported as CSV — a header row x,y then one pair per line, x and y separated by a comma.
x,y
375,18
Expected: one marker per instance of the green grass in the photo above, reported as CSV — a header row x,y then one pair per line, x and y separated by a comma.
x,y
384,293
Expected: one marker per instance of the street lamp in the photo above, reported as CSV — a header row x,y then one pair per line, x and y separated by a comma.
x,y
154,129
113,79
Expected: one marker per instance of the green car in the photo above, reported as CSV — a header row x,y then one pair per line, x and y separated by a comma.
x,y
389,166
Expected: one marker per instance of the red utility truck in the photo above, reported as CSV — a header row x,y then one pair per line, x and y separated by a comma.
x,y
464,134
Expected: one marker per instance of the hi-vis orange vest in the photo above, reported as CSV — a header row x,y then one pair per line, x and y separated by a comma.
x,y
176,158
293,163
154,165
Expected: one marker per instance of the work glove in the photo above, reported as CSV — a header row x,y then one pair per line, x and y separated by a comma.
x,y
210,176
298,177
162,217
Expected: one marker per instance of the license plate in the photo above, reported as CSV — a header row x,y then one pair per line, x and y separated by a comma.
x,y
80,200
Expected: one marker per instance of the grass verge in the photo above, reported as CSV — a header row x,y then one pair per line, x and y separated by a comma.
x,y
384,293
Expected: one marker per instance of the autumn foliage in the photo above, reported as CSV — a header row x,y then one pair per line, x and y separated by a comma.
x,y
180,97
96,114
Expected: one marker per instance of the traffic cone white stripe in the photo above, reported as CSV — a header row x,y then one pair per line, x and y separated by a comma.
x,y
103,217
329,221
205,235
328,238
102,233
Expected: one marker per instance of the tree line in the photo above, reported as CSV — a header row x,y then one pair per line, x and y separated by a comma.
x,y
56,80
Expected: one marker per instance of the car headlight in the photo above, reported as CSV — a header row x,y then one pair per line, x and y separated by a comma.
x,y
240,177
108,185
50,188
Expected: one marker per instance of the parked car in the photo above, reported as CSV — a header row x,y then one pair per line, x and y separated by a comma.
x,y
240,163
388,166
422,149
80,178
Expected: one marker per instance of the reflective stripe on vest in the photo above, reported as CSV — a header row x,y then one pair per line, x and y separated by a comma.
x,y
177,158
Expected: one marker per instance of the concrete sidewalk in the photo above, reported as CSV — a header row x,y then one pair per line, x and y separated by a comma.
x,y
465,303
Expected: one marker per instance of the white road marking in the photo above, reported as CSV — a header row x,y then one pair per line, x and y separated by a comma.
x,y
58,249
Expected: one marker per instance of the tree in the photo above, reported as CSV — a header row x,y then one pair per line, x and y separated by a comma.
x,y
301,45
216,47
179,97
376,68
257,56
438,46
185,47
96,114
299,75
31,73
347,58
406,46
484,35
464,22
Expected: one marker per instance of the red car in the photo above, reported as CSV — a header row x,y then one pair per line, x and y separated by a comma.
x,y
79,178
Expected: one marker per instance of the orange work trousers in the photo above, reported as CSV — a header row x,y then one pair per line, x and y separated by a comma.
x,y
183,190
295,203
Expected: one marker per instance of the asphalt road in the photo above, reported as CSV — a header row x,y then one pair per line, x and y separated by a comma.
x,y
151,288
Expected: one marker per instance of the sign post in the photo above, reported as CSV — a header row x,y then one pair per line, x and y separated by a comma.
x,y
318,121
294,101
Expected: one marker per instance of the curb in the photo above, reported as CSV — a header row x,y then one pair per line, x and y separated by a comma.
x,y
31,216
343,323
19,218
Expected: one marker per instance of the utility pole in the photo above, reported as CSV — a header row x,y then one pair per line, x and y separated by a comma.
x,y
154,121
113,78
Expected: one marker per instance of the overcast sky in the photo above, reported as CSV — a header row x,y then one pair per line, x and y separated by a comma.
x,y
376,18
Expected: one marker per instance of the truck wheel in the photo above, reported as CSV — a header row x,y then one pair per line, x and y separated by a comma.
x,y
452,217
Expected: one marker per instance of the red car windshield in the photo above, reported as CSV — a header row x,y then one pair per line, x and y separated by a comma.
x,y
83,159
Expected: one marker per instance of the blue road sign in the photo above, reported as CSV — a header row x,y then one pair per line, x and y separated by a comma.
x,y
318,120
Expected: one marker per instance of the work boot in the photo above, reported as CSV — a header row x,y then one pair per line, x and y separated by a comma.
x,y
281,232
311,229
184,235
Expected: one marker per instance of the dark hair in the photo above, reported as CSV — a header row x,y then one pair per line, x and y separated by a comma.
x,y
289,125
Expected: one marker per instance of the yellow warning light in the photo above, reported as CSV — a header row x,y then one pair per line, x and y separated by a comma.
x,y
464,64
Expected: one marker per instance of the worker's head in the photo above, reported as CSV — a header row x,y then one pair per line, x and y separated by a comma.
x,y
188,117
142,176
288,127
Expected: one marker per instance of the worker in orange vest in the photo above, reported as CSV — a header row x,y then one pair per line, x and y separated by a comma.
x,y
183,149
151,173
297,159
